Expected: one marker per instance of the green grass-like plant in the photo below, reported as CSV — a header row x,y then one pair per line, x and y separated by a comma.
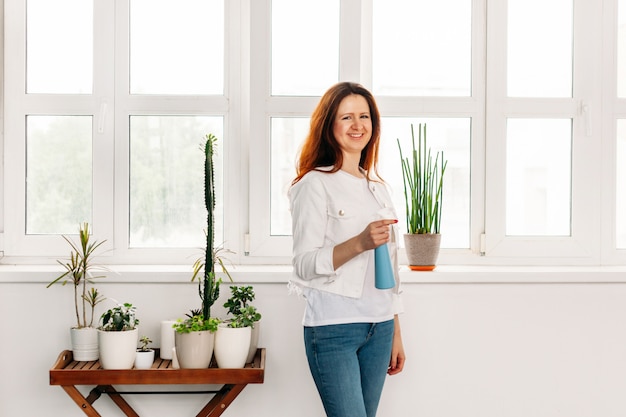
x,y
423,185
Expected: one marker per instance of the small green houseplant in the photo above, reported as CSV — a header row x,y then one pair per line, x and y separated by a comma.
x,y
145,355
243,314
246,317
120,318
423,192
117,337
144,341
195,323
236,339
80,272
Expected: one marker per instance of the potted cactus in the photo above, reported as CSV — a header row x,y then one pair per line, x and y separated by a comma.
x,y
199,326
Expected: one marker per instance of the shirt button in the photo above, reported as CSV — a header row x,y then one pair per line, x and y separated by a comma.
x,y
341,212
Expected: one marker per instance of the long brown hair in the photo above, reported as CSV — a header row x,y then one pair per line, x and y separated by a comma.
x,y
320,147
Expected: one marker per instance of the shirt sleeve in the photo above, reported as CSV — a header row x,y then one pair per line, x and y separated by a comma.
x,y
312,254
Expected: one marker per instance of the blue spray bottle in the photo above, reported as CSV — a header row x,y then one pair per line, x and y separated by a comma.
x,y
383,271
384,278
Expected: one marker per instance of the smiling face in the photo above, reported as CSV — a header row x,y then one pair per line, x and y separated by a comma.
x,y
353,125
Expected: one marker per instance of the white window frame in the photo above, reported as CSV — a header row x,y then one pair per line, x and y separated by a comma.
x,y
583,108
111,105
613,109
16,242
248,106
354,65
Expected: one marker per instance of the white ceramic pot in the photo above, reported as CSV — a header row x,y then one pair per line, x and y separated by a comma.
x,y
144,359
118,349
84,343
232,346
254,341
167,339
194,350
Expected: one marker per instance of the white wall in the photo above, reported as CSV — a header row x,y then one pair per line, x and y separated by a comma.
x,y
474,349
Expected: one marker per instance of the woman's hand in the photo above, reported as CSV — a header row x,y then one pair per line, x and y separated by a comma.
x,y
396,363
375,234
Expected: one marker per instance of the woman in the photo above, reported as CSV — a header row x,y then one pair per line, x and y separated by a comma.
x,y
341,211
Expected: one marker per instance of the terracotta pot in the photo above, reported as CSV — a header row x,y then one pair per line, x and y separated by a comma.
x,y
422,250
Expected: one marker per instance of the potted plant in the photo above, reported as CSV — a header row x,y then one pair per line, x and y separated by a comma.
x,y
232,340
117,337
200,321
194,339
145,355
79,271
423,192
241,296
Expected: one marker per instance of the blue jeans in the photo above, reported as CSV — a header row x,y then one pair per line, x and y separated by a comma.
x,y
349,364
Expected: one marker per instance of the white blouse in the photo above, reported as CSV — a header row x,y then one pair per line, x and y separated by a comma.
x,y
328,209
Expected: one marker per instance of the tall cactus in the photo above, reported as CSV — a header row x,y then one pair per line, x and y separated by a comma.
x,y
209,286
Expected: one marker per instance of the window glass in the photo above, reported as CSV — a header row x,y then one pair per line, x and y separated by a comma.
x,y
305,47
538,177
450,135
287,135
620,196
540,38
176,47
59,46
167,180
421,49
621,49
59,173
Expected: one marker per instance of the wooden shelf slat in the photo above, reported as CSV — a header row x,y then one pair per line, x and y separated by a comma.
x,y
66,371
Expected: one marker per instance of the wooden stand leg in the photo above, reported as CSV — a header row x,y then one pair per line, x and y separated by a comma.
x,y
81,401
118,400
221,400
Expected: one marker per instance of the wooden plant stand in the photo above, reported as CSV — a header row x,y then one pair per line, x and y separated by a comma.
x,y
68,373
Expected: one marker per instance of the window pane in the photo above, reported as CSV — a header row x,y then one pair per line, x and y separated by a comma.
x,y
59,173
538,177
305,47
59,46
620,196
176,47
540,60
450,135
167,180
621,49
287,136
420,48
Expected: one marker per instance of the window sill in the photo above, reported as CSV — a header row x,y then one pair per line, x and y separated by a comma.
x,y
277,274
